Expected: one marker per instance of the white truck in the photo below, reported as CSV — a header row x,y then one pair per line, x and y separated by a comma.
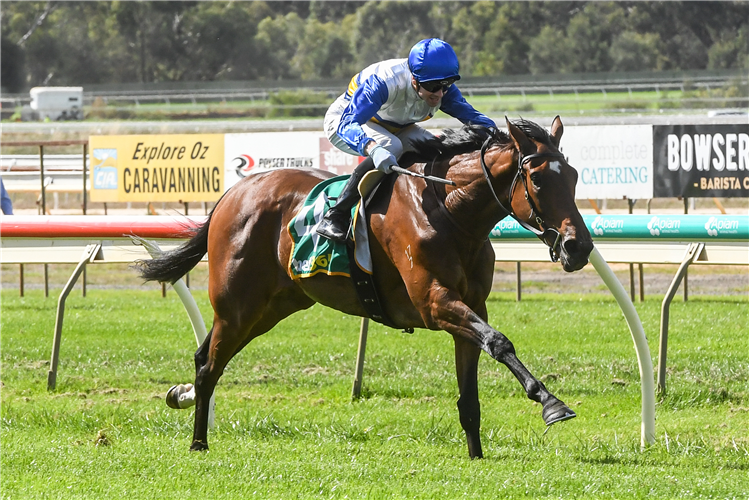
x,y
57,103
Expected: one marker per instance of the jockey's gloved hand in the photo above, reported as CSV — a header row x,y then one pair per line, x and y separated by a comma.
x,y
383,159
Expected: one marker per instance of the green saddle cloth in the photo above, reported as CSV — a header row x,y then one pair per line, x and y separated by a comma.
x,y
311,253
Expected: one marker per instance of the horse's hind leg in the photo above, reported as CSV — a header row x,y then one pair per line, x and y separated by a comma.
x,y
181,396
227,339
466,364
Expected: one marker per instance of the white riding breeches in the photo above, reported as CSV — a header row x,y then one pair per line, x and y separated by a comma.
x,y
397,142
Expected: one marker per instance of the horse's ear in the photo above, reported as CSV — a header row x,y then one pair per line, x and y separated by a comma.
x,y
522,143
557,129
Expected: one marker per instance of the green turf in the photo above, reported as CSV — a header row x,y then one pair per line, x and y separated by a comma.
x,y
286,427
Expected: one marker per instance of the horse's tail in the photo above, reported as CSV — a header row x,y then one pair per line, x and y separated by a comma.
x,y
171,266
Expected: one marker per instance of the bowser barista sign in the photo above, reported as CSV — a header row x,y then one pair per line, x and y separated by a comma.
x,y
167,168
701,161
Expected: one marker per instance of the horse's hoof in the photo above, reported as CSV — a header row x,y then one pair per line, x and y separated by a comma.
x,y
173,394
557,412
199,446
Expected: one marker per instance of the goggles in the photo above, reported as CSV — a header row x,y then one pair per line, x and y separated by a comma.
x,y
437,85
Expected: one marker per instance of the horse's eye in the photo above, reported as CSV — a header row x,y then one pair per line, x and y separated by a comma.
x,y
536,179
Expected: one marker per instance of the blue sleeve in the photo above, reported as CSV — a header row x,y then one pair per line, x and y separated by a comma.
x,y
454,104
366,101
7,205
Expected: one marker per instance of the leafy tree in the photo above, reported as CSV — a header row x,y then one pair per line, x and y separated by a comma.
x,y
277,40
78,42
731,51
470,24
325,51
550,52
11,66
218,43
632,51
388,30
326,11
590,33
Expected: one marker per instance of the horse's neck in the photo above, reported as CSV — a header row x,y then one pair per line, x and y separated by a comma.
x,y
472,204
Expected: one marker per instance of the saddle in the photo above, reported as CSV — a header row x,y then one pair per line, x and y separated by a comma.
x,y
312,254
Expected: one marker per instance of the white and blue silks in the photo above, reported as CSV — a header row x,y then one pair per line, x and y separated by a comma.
x,y
380,104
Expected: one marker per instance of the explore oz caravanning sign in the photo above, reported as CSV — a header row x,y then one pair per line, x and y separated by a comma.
x,y
146,168
701,161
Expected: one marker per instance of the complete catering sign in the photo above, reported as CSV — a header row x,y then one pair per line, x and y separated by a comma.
x,y
612,162
147,168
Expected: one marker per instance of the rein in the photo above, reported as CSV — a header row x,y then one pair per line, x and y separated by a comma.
x,y
544,231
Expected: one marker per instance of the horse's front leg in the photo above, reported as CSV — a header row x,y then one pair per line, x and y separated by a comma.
x,y
447,312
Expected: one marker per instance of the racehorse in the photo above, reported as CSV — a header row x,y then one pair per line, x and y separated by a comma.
x,y
433,262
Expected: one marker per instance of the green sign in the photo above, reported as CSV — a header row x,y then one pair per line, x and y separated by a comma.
x,y
647,227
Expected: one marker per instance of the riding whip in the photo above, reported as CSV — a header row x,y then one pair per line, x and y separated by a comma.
x,y
427,177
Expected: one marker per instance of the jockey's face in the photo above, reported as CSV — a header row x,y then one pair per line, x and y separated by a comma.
x,y
431,98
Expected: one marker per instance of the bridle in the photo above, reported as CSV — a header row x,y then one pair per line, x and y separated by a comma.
x,y
544,231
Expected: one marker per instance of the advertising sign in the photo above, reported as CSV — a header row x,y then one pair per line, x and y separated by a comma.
x,y
698,161
647,227
334,160
611,161
262,151
153,168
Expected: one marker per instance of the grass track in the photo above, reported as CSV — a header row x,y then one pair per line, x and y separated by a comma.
x,y
286,427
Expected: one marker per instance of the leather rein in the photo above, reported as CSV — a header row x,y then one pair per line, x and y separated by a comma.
x,y
543,231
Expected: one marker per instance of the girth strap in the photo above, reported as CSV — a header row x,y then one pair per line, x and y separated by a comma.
x,y
365,290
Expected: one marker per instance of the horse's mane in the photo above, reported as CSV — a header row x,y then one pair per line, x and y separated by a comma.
x,y
470,138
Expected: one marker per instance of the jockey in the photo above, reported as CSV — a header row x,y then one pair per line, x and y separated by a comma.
x,y
376,116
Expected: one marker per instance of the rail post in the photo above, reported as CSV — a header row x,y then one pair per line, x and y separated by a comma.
x,y
88,255
693,251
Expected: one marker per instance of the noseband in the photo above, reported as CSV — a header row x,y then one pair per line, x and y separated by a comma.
x,y
544,230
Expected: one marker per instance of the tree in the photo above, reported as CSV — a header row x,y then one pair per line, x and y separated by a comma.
x,y
325,11
550,52
11,66
632,51
325,50
388,30
732,51
470,24
277,40
218,43
590,34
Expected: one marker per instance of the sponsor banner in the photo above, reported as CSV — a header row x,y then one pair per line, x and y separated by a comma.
x,y
250,153
698,161
152,168
334,160
612,162
510,228
648,227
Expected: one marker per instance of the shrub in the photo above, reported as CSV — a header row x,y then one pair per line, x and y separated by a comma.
x,y
298,103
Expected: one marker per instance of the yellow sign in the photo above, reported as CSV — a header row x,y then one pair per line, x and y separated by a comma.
x,y
181,168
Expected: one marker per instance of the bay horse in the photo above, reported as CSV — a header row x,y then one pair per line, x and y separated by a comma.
x,y
433,262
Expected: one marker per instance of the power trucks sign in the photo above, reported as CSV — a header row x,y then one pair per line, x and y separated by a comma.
x,y
699,161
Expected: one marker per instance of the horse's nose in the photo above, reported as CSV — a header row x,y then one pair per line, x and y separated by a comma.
x,y
576,248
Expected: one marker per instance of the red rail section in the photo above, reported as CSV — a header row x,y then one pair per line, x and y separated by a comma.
x,y
97,226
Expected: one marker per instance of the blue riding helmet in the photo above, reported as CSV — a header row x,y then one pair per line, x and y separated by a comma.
x,y
433,59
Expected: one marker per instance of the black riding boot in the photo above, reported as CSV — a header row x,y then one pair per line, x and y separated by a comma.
x,y
336,222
